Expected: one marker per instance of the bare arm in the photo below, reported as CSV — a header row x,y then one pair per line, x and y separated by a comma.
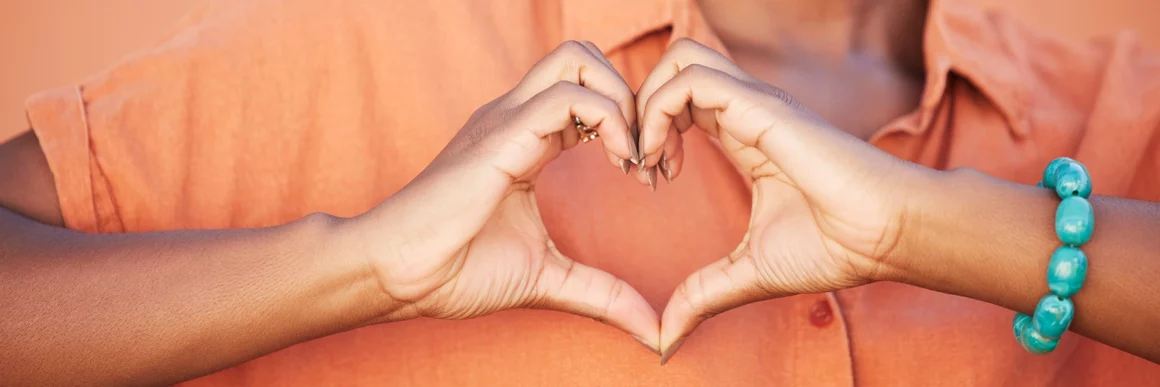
x,y
158,308
983,238
832,212
154,308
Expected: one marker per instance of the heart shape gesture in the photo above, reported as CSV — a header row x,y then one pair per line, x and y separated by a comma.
x,y
824,217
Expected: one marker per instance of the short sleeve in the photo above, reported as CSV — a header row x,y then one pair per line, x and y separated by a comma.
x,y
257,113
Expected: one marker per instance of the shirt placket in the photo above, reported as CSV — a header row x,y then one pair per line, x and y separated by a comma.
x,y
822,342
821,350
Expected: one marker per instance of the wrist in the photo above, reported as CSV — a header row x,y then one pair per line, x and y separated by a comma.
x,y
971,234
920,193
350,281
935,215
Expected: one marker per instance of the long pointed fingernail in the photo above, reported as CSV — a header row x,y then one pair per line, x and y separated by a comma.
x,y
668,354
664,166
647,345
651,175
625,165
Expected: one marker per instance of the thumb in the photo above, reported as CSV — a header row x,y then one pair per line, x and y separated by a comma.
x,y
728,283
572,287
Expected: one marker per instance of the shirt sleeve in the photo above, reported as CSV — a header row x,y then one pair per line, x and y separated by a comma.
x,y
256,113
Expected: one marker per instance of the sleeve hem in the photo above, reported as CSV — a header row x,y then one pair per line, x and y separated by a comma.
x,y
58,119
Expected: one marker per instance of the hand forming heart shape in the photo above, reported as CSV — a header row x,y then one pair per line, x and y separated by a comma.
x,y
824,216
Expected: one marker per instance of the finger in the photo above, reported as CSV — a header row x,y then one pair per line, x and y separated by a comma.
x,y
623,94
721,286
697,86
569,286
681,54
538,129
627,105
578,63
553,111
673,154
757,115
597,53
569,138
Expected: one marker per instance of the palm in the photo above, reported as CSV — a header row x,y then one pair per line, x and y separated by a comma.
x,y
500,267
794,245
510,262
791,253
788,247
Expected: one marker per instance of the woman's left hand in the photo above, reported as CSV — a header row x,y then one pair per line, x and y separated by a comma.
x,y
828,208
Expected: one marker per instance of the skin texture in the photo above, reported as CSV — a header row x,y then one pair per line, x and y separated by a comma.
x,y
856,63
204,300
157,308
907,223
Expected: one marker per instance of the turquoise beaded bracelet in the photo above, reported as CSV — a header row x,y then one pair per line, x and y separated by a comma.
x,y
1074,223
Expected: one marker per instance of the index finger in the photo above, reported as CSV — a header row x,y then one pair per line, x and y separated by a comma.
x,y
584,65
681,54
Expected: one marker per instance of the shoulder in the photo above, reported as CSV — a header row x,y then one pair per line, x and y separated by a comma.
x,y
256,112
1097,100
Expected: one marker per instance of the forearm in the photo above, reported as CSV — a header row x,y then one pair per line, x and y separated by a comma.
x,y
979,237
157,308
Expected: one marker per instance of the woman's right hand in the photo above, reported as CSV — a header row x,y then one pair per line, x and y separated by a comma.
x,y
465,239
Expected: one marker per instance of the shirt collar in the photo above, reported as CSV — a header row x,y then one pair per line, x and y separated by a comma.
x,y
984,49
958,39
611,24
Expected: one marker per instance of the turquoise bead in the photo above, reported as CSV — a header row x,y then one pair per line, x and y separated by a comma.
x,y
1020,323
1035,342
1072,179
1052,167
1053,315
1039,184
1074,221
1066,271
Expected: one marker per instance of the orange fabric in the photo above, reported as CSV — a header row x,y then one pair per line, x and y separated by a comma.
x,y
256,113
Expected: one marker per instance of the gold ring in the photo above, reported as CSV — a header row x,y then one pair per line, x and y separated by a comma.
x,y
586,133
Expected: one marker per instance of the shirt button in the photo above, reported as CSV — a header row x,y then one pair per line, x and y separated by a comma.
x,y
820,314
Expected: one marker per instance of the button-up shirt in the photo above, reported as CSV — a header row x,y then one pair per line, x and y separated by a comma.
x,y
255,113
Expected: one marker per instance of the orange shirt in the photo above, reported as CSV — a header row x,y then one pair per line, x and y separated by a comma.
x,y
256,113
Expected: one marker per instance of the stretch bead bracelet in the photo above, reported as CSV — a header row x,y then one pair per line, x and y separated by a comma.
x,y
1074,222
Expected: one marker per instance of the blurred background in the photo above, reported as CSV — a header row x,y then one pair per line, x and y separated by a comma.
x,y
52,43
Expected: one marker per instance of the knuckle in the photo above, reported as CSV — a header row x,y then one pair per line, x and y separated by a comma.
x,y
562,88
685,45
699,71
694,295
571,48
559,93
609,105
696,69
687,50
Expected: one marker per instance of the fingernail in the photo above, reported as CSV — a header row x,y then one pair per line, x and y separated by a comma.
x,y
647,345
672,350
624,166
664,165
651,174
